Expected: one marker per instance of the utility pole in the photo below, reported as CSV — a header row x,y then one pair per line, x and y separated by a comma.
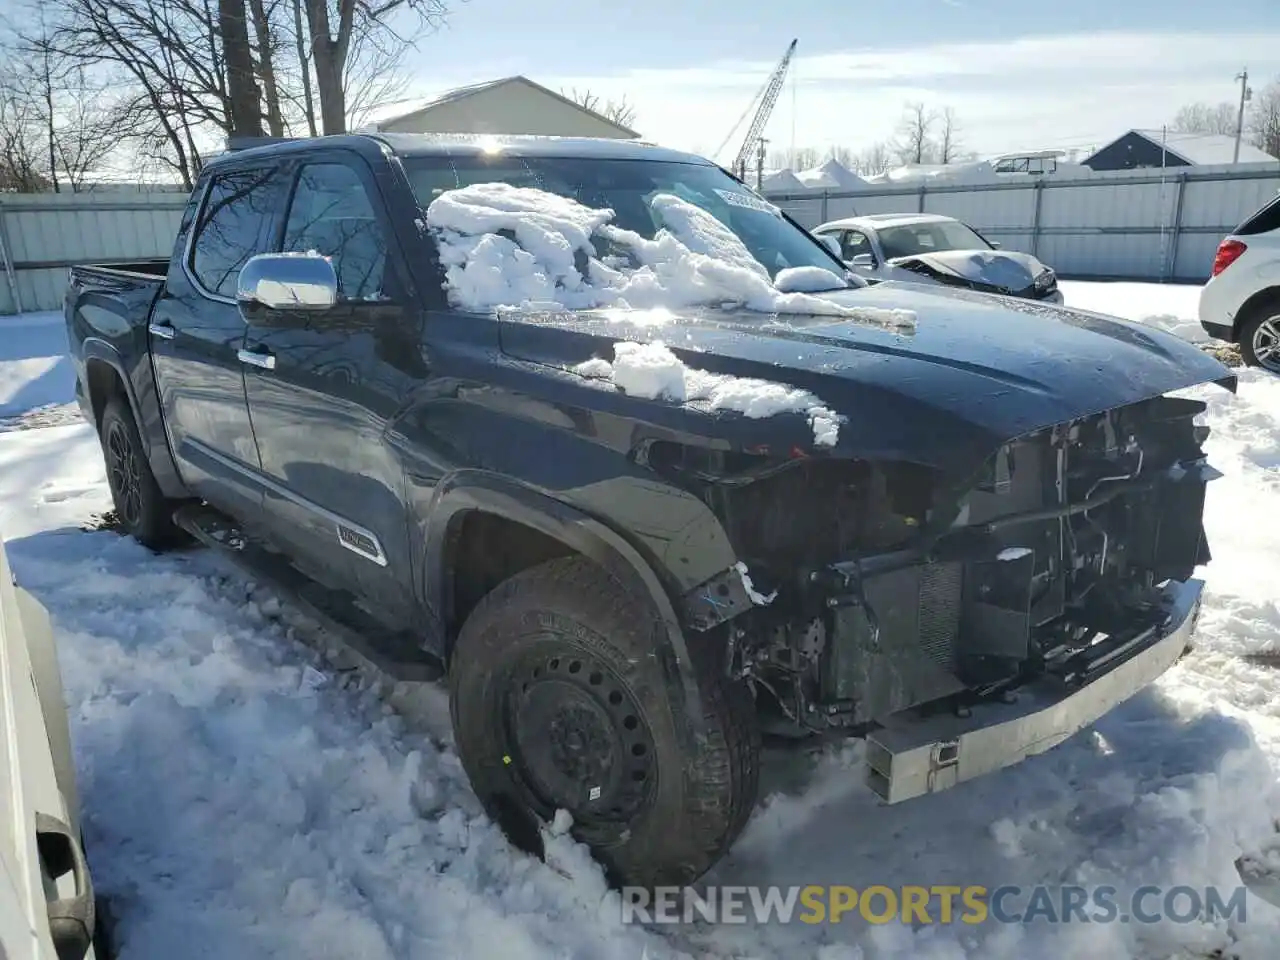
x,y
760,165
1245,94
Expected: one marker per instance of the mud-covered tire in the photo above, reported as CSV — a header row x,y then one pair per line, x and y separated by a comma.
x,y
1260,335
557,687
142,510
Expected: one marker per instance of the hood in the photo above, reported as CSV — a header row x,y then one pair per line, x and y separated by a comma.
x,y
997,270
971,373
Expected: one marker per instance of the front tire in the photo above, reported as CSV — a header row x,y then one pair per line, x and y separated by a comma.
x,y
1260,336
559,700
141,508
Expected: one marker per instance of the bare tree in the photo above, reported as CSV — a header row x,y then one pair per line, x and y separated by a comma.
x,y
1263,121
374,73
843,156
267,46
20,148
913,143
242,91
875,159
330,48
949,145
58,125
1205,118
617,111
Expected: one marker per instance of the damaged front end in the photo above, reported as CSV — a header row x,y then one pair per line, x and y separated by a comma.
x,y
951,622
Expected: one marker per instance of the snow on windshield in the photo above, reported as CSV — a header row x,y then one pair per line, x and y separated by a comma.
x,y
652,371
517,247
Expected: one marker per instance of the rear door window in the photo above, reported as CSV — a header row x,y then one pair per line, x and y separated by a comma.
x,y
232,227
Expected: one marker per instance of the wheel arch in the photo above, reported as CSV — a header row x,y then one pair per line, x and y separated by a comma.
x,y
557,529
105,377
1255,302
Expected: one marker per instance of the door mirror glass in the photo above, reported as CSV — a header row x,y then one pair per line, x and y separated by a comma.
x,y
288,281
831,242
862,260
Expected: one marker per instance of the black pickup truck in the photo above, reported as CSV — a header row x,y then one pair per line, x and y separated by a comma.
x,y
627,588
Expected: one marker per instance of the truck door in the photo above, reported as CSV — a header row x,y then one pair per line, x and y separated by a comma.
x,y
197,339
324,400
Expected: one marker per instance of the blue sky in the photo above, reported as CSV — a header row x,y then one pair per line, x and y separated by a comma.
x,y
1073,74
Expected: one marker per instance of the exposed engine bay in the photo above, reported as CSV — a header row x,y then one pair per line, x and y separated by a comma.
x,y
868,588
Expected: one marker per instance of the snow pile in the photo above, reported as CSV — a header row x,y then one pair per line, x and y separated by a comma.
x,y
830,175
516,247
652,371
1172,307
35,371
782,181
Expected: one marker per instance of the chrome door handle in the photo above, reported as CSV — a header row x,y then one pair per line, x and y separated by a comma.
x,y
267,361
164,331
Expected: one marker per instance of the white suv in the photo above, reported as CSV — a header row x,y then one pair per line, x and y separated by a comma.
x,y
1241,301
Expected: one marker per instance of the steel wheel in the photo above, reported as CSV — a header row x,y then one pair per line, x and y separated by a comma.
x,y
576,738
1266,344
124,473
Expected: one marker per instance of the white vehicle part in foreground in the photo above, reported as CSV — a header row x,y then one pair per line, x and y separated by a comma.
x,y
909,756
38,803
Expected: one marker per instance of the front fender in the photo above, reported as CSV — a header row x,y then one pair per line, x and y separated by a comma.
x,y
467,490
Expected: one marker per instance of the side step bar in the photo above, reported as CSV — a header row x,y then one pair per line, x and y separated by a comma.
x,y
396,655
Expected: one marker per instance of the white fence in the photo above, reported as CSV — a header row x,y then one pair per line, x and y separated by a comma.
x,y
41,235
1130,224
1135,224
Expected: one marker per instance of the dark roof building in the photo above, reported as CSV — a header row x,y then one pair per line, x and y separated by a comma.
x,y
1150,148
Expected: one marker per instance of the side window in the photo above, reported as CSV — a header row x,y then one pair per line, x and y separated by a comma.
x,y
332,214
855,242
230,228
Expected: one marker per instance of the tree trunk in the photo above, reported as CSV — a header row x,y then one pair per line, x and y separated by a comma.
x,y
246,109
304,63
330,57
267,67
333,107
46,90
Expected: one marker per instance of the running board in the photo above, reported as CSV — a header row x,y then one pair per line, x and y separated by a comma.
x,y
395,654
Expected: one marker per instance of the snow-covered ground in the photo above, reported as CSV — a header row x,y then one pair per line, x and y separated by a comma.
x,y
244,800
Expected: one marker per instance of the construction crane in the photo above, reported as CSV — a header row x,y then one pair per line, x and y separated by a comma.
x,y
767,99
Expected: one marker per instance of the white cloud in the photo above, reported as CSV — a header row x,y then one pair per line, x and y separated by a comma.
x,y
1042,91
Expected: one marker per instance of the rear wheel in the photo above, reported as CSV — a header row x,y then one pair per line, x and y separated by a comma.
x,y
1260,336
141,508
560,701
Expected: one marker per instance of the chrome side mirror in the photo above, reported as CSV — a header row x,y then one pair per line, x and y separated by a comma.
x,y
831,243
288,281
862,260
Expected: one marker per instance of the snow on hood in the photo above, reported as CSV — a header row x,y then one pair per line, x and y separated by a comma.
x,y
652,371
1005,269
519,248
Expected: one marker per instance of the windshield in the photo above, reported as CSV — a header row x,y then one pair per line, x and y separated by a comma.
x,y
628,187
911,239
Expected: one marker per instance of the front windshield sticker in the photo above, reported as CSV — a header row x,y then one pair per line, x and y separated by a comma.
x,y
748,202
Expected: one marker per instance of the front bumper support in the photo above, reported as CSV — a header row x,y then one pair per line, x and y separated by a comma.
x,y
910,756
